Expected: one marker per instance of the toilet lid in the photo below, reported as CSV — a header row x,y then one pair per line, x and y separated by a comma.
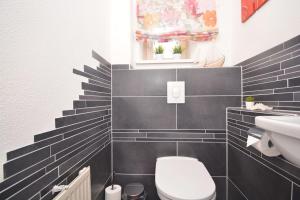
x,y
183,178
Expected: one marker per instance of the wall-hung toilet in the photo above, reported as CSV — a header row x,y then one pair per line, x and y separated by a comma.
x,y
183,178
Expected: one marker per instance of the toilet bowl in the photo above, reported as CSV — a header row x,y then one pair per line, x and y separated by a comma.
x,y
183,178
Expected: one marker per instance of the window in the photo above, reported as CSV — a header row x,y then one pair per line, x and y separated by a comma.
x,y
170,23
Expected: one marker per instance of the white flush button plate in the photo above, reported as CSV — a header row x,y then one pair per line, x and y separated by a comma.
x,y
176,91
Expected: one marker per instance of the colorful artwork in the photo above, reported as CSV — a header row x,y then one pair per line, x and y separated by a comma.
x,y
176,19
249,7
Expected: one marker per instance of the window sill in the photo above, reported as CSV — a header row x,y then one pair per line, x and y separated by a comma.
x,y
164,64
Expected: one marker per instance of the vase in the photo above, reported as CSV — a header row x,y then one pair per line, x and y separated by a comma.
x,y
177,56
249,105
158,56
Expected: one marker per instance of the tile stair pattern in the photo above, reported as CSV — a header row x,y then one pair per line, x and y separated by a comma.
x,y
273,76
82,137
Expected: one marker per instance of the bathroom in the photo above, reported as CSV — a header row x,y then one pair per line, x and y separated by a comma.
x,y
211,112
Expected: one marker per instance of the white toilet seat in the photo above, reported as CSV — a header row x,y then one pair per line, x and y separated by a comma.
x,y
183,178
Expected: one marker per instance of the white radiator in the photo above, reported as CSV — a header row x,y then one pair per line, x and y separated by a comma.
x,y
79,188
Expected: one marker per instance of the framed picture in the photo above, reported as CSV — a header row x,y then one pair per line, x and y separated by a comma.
x,y
249,7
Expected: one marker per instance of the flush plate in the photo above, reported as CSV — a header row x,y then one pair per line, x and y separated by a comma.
x,y
176,92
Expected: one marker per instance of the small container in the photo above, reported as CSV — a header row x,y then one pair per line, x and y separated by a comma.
x,y
249,105
134,191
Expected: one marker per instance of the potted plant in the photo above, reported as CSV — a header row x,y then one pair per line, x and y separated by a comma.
x,y
177,51
249,102
159,50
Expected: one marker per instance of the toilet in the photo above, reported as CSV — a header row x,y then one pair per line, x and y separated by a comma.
x,y
183,178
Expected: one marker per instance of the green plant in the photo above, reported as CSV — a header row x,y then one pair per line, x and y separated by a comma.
x,y
159,50
250,99
177,49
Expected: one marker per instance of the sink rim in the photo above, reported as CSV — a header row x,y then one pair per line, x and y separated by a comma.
x,y
283,127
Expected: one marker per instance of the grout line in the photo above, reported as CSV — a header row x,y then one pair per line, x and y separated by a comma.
x,y
190,96
263,163
129,174
280,61
237,188
111,124
91,75
292,190
226,153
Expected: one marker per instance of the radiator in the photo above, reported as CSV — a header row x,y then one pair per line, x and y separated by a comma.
x,y
79,188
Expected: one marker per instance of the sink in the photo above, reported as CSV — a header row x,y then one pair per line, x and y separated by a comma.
x,y
284,132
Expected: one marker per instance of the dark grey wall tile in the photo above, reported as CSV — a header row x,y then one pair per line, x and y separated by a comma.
x,y
23,183
89,76
289,76
120,66
296,192
25,174
36,186
220,187
217,81
297,96
68,112
269,85
77,158
140,157
250,176
142,82
294,82
68,142
18,164
263,76
100,170
91,87
265,80
213,155
62,130
292,42
290,63
263,70
274,97
87,92
293,69
147,180
234,193
68,120
205,112
97,73
33,147
143,113
285,90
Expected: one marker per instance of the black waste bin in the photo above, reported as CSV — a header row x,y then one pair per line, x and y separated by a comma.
x,y
134,191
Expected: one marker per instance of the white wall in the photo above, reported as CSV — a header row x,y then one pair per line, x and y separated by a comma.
x,y
40,42
274,23
121,31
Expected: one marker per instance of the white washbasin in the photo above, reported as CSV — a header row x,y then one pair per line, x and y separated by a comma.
x,y
284,132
